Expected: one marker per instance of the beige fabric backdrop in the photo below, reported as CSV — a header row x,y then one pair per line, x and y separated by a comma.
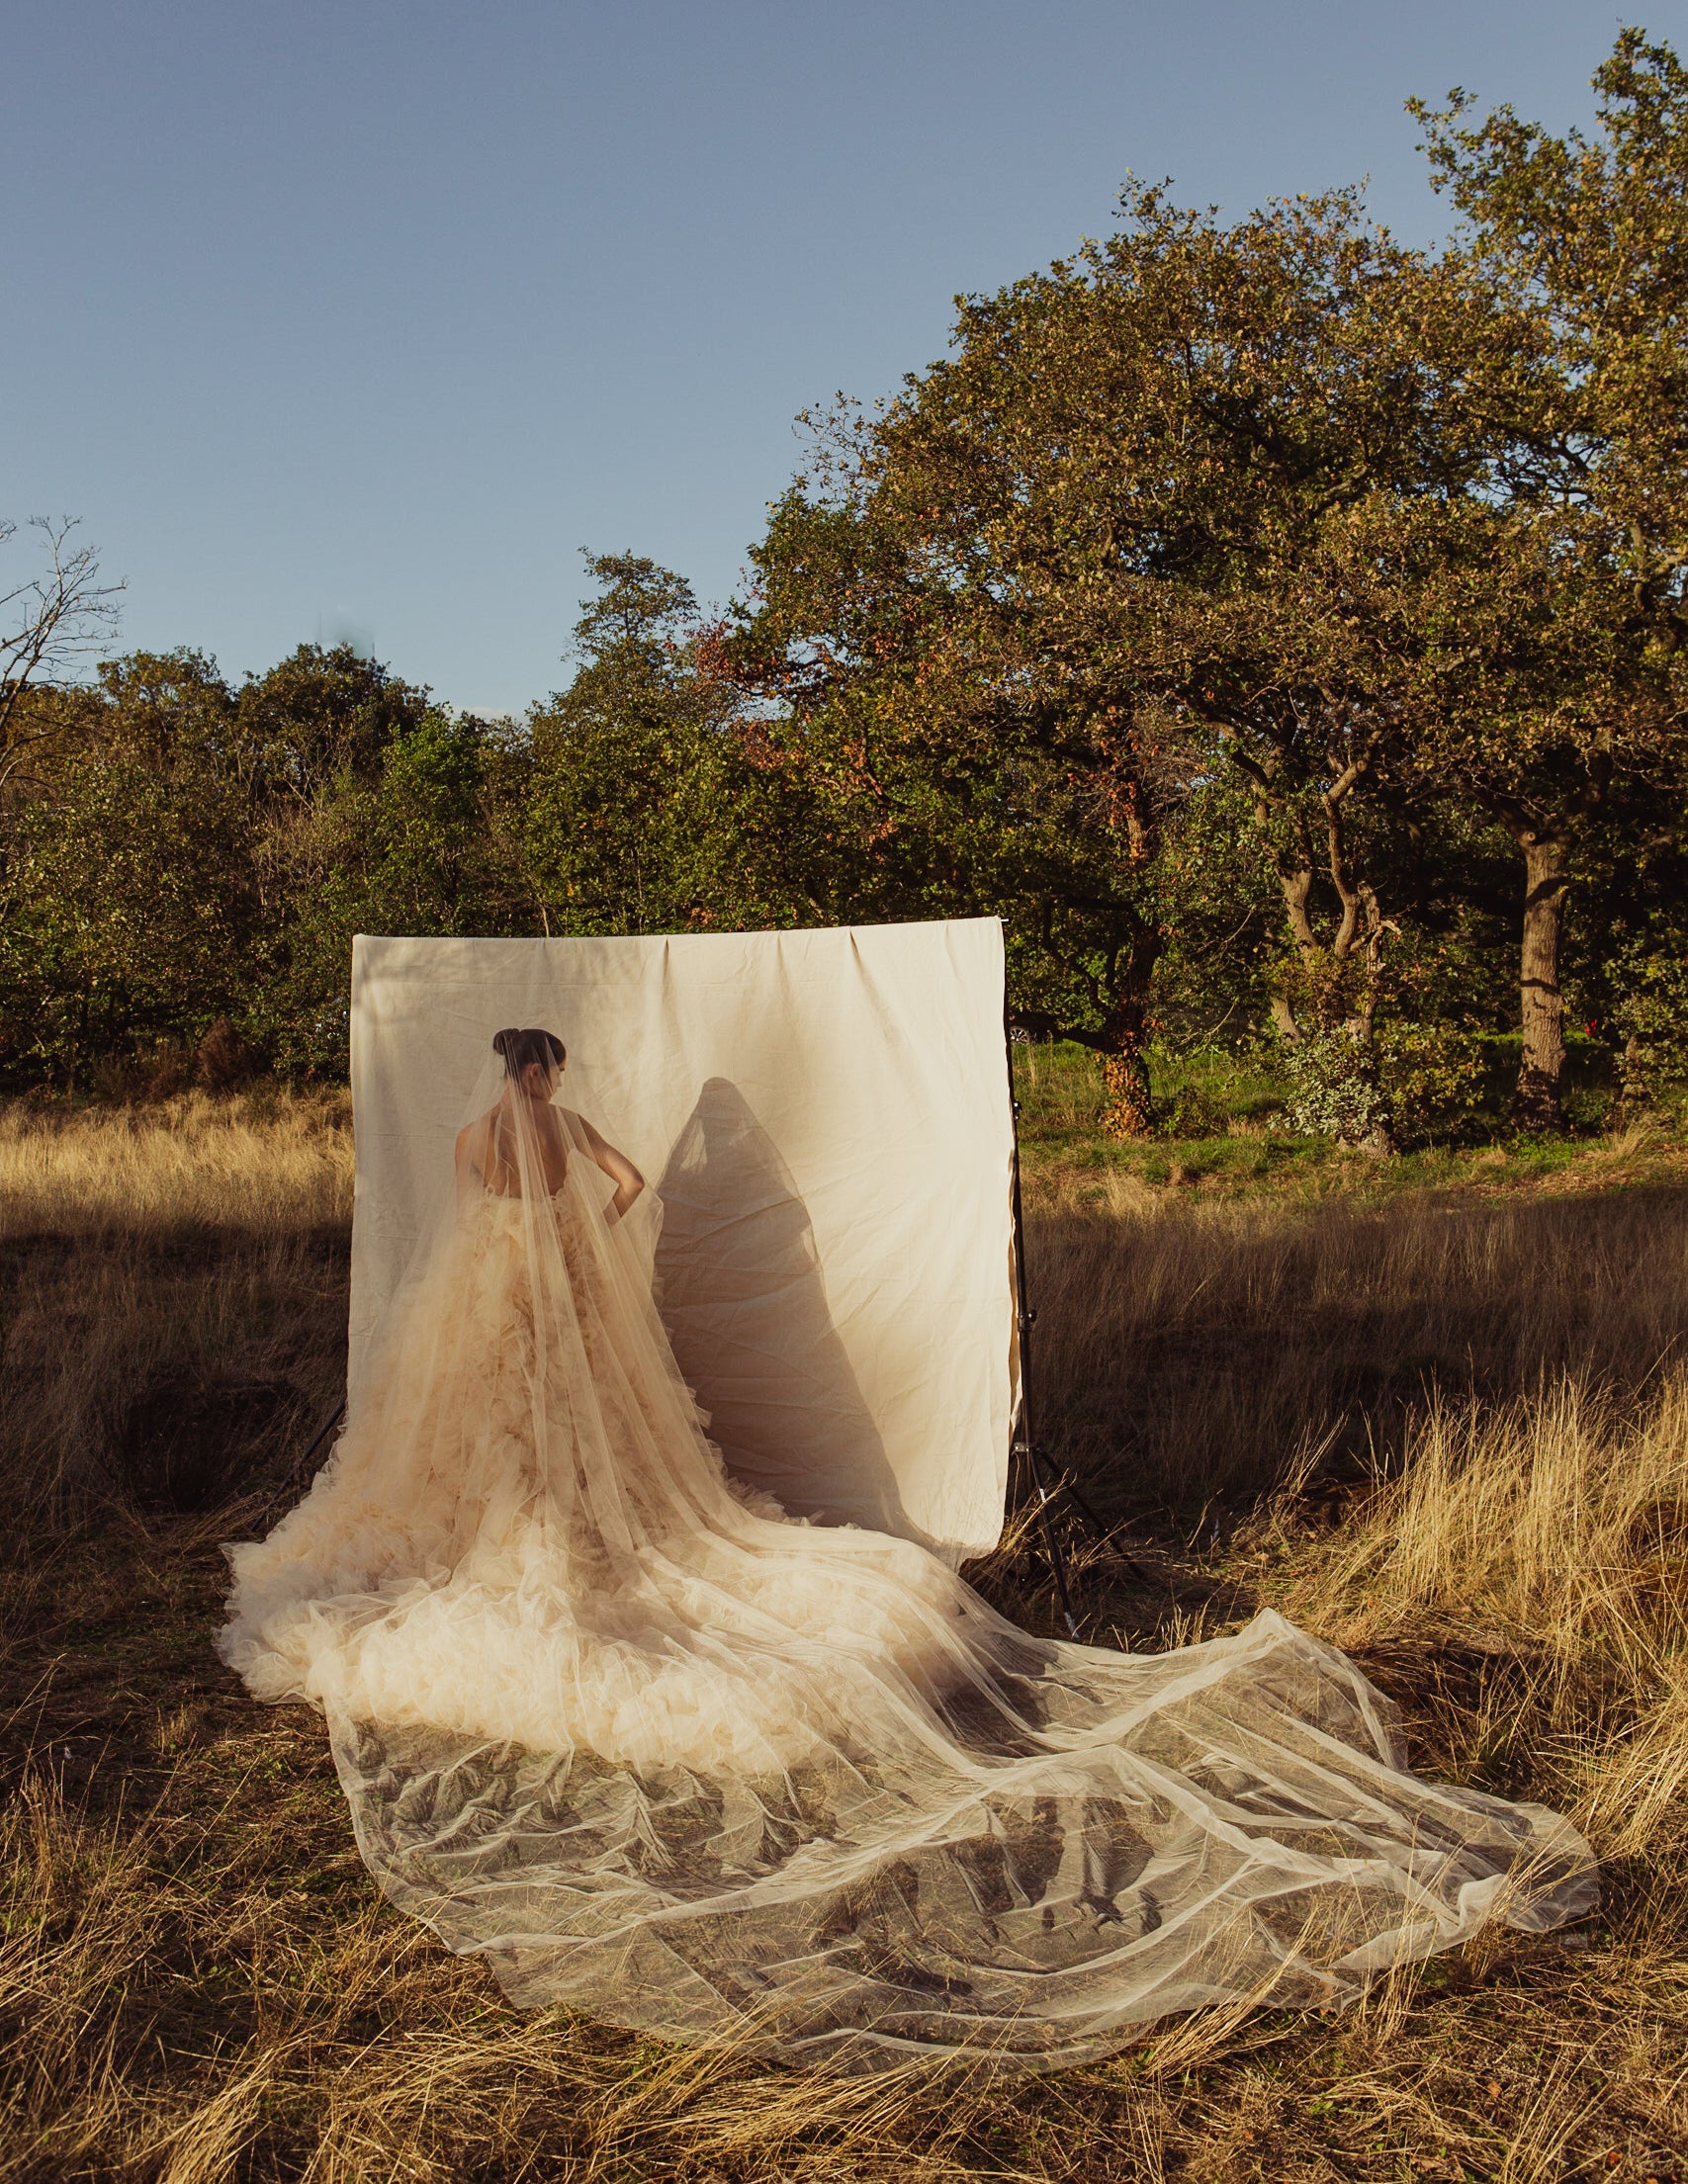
x,y
826,1118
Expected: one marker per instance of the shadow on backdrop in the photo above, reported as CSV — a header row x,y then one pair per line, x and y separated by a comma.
x,y
741,1292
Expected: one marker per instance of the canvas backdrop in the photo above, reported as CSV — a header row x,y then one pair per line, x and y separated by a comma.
x,y
824,1117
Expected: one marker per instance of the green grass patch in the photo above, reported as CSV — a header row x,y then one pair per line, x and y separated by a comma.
x,y
1220,1126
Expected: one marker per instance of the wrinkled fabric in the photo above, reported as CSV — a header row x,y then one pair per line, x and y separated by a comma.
x,y
823,1118
609,1719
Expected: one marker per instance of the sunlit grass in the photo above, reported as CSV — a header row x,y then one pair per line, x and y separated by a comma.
x,y
271,1162
1244,1144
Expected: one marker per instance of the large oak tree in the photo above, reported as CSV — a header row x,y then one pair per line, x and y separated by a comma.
x,y
1141,523
1557,642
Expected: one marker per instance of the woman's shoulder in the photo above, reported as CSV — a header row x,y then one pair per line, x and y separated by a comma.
x,y
473,1133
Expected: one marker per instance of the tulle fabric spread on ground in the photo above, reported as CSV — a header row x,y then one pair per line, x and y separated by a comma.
x,y
657,1752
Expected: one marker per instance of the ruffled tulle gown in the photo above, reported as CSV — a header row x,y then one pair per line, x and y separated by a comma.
x,y
654,1751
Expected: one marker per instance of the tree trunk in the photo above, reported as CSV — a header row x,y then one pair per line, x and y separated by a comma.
x,y
1537,1103
1131,1113
1124,1067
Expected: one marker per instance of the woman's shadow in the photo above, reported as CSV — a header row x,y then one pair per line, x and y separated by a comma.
x,y
739,1288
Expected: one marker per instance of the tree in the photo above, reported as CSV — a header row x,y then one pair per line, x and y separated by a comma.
x,y
370,819
1562,669
186,855
1133,530
955,765
413,850
324,716
637,806
130,915
48,624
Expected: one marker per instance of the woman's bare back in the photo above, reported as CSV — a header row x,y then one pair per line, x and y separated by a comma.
x,y
488,1157
487,1151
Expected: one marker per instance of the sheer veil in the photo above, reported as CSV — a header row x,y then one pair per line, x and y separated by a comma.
x,y
613,1722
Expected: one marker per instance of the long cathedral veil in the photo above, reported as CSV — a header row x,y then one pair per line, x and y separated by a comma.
x,y
650,1749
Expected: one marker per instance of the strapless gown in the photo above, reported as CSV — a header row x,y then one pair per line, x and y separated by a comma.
x,y
657,1752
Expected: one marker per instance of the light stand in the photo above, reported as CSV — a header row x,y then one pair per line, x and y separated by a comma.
x,y
1030,1462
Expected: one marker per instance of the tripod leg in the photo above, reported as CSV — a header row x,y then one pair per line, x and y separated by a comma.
x,y
1025,1444
1057,1563
1061,1483
322,1431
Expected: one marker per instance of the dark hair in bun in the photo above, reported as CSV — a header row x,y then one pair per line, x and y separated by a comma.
x,y
521,1048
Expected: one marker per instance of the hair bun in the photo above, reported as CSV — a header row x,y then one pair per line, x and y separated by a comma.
x,y
528,1049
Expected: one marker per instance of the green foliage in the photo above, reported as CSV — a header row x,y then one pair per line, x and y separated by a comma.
x,y
1434,1080
1651,1019
1192,1110
639,802
1409,1084
619,830
1285,632
1393,540
130,903
1334,1086
1221,932
409,851
186,855
320,718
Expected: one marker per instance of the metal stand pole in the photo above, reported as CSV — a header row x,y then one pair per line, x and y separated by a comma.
x,y
1026,1452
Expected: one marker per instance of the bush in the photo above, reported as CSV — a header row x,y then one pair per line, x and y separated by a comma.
x,y
1191,1111
1409,1083
1651,1020
225,1062
1433,1076
1333,1087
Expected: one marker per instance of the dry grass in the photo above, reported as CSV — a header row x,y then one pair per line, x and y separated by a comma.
x,y
1446,1431
172,1297
1555,1533
271,1163
1192,1352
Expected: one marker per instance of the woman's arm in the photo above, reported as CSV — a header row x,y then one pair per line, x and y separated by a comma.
x,y
616,1166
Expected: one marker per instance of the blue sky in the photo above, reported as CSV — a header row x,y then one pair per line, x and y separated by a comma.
x,y
363,318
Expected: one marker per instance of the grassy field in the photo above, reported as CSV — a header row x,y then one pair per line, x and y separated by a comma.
x,y
1435,1408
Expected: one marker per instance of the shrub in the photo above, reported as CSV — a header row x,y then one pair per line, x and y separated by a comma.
x,y
1434,1078
1191,1111
1408,1083
1333,1088
224,1061
1651,1020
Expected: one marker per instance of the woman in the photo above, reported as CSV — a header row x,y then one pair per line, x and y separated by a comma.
x,y
488,1149
658,1752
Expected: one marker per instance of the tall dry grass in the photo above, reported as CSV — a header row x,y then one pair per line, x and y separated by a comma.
x,y
272,1163
1449,1435
172,1297
1193,1352
1550,1534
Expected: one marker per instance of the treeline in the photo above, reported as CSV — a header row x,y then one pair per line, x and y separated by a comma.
x,y
1281,629
183,856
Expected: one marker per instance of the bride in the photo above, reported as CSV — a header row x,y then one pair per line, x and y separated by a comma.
x,y
654,1750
